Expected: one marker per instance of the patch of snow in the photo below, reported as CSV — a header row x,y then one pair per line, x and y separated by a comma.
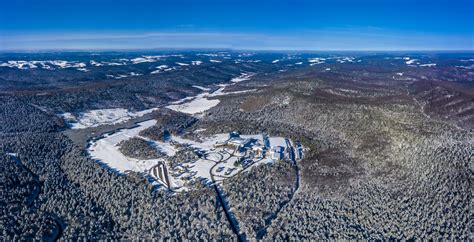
x,y
139,60
411,62
242,77
202,88
44,64
471,67
135,74
343,60
113,64
428,65
198,105
210,55
95,63
199,130
315,61
201,103
94,118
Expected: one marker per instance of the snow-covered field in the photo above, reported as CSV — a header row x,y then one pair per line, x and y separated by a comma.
x,y
94,118
106,150
201,103
197,105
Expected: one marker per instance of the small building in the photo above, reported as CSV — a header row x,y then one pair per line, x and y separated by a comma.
x,y
234,134
277,141
278,153
259,151
239,142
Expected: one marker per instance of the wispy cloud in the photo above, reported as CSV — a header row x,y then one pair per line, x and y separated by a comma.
x,y
350,38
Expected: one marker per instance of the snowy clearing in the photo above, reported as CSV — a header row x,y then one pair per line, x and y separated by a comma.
x,y
197,105
94,118
106,150
201,103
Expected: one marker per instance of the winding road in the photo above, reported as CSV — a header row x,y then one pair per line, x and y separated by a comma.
x,y
35,194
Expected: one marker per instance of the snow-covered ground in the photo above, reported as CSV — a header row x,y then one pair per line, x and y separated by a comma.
x,y
217,161
429,65
343,60
197,105
106,150
97,117
190,105
316,61
47,64
124,76
242,77
162,68
202,88
411,61
139,60
201,103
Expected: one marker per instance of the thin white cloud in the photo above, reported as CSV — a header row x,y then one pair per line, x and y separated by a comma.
x,y
369,38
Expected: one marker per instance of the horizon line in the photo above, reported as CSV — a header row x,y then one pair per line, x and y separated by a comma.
x,y
39,50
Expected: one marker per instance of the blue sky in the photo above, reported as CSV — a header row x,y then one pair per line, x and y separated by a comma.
x,y
260,25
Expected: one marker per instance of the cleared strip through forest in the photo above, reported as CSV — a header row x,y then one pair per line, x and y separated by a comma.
x,y
232,220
